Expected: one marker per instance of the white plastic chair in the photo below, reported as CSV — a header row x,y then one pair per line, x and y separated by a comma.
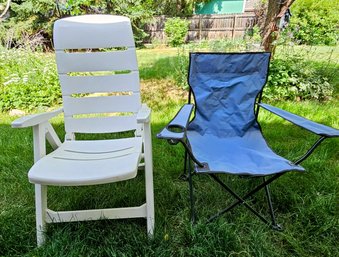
x,y
83,71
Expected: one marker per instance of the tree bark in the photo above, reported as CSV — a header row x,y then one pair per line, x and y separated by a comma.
x,y
275,10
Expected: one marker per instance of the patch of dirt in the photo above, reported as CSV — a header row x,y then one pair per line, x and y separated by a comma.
x,y
157,93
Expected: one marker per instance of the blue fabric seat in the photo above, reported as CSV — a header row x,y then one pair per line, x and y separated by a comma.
x,y
246,155
224,136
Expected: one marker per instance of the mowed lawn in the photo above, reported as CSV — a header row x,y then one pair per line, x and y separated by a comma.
x,y
306,204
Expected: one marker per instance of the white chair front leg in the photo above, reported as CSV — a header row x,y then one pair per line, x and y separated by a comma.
x,y
40,212
149,178
39,142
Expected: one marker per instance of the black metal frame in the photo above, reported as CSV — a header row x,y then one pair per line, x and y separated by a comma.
x,y
189,172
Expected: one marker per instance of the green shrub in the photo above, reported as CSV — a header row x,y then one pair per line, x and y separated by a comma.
x,y
31,21
176,30
294,77
315,22
29,24
180,72
28,80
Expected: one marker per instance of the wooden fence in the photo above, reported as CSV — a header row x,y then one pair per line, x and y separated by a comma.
x,y
206,27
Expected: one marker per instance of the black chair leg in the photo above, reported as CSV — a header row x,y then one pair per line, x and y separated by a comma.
x,y
190,181
275,225
184,175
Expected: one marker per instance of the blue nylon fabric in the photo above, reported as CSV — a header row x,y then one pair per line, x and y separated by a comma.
x,y
224,132
179,121
182,118
317,128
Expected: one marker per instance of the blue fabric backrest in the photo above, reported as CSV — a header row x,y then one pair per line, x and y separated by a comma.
x,y
225,87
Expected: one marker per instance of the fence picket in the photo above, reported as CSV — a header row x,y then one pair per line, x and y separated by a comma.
x,y
206,26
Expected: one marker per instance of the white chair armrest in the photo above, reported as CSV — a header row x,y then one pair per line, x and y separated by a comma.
x,y
144,114
35,119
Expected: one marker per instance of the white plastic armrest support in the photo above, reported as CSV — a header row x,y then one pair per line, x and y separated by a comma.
x,y
35,119
144,114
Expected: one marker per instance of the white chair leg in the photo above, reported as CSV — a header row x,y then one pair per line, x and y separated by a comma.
x,y
40,212
149,180
149,201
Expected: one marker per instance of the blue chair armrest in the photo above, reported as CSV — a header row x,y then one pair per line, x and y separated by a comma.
x,y
176,128
309,125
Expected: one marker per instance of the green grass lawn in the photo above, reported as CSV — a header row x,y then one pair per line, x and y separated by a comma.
x,y
306,204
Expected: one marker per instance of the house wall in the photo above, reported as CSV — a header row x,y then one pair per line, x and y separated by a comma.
x,y
220,7
250,5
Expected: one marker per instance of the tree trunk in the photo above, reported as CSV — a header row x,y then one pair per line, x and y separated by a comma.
x,y
275,10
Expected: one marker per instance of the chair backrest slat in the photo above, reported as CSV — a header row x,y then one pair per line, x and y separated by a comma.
x,y
101,104
105,31
97,61
100,84
98,71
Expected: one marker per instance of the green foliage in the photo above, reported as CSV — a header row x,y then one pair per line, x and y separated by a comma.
x,y
30,23
181,69
28,81
253,35
293,76
181,8
315,22
296,73
138,11
176,30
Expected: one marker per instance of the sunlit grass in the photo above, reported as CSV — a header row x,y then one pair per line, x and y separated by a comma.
x,y
306,204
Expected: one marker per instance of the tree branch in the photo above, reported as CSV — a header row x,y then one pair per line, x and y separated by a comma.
x,y
6,9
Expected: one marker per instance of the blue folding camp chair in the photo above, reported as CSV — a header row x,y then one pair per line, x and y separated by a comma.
x,y
224,137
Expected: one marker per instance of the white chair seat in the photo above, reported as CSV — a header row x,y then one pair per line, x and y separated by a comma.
x,y
92,162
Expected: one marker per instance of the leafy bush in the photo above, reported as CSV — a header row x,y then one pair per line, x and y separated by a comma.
x,y
293,77
180,73
28,80
30,24
315,22
31,20
176,30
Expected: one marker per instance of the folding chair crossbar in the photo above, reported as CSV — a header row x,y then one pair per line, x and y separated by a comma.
x,y
241,200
